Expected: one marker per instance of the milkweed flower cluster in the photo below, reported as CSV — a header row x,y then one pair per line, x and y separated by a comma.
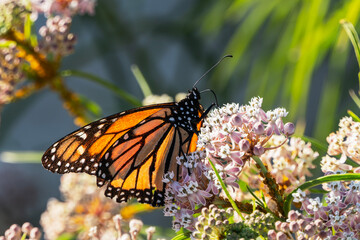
x,y
288,164
67,8
56,37
11,72
84,207
192,191
25,232
336,218
232,134
346,141
38,56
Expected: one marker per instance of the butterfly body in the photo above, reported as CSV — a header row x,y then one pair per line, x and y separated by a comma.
x,y
132,150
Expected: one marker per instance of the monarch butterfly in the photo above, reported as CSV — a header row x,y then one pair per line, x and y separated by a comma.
x,y
132,150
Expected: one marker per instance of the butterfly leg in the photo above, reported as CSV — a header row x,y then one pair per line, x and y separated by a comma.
x,y
208,110
195,121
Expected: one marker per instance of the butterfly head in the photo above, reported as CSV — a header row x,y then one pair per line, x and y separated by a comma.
x,y
193,94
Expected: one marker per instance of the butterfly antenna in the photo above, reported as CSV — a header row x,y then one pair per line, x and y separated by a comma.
x,y
209,90
226,56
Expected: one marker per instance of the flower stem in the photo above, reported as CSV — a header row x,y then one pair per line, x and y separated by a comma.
x,y
71,101
233,204
271,183
119,92
141,80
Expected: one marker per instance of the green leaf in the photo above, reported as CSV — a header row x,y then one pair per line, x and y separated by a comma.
x,y
352,163
256,199
242,185
317,191
315,143
353,115
182,235
353,36
354,97
318,181
67,236
21,157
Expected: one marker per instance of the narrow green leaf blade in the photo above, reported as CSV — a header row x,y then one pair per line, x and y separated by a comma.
x,y
141,80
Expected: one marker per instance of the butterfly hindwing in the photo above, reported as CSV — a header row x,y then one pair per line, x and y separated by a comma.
x,y
135,164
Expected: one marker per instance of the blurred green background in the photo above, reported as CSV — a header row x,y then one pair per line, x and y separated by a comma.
x,y
292,53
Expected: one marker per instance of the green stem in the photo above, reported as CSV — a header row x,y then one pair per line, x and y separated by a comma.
x,y
23,237
271,183
119,92
233,204
260,203
141,80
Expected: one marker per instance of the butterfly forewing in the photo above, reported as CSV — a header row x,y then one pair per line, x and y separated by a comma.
x,y
82,150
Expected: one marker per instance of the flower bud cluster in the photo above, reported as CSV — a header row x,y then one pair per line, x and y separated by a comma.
x,y
26,232
117,232
11,72
240,231
212,222
191,191
260,222
232,134
346,141
67,8
56,37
